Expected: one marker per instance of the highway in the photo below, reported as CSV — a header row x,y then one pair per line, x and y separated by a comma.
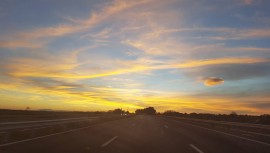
x,y
140,134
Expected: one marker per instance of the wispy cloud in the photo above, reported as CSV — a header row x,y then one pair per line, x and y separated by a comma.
x,y
229,60
75,25
19,44
240,34
36,68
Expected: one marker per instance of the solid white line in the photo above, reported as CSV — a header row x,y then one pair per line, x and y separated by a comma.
x,y
108,142
166,126
264,143
194,147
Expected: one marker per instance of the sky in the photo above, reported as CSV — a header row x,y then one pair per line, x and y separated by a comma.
x,y
203,56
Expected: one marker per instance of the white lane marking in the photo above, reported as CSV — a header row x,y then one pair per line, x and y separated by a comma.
x,y
197,149
109,141
264,143
166,126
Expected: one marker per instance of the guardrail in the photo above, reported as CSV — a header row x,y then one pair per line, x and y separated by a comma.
x,y
246,127
43,121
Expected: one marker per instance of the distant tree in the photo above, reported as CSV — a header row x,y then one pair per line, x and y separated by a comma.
x,y
147,111
232,117
117,111
233,114
264,119
139,111
172,113
150,110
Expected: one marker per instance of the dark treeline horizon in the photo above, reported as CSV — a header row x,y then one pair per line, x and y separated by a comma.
x,y
232,117
151,111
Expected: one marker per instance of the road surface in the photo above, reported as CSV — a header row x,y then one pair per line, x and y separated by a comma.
x,y
140,134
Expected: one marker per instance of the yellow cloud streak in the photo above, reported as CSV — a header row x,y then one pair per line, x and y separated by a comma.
x,y
218,61
36,72
186,103
110,98
65,96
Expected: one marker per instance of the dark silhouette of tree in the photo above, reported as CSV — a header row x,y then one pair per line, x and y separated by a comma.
x,y
150,110
172,113
117,111
233,113
264,119
232,117
146,111
138,111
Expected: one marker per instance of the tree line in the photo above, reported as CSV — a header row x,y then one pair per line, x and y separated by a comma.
x,y
144,111
233,117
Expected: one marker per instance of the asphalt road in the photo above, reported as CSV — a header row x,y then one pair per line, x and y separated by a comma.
x,y
140,134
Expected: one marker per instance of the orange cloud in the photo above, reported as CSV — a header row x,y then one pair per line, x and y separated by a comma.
x,y
213,81
53,31
247,2
109,10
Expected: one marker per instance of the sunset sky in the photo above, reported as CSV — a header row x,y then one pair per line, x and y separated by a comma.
x,y
93,55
